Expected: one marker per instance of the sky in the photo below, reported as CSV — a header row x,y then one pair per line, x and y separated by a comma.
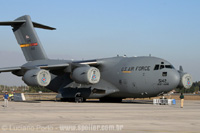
x,y
90,29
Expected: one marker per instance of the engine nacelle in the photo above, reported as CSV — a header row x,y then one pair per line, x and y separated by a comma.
x,y
86,75
37,77
186,80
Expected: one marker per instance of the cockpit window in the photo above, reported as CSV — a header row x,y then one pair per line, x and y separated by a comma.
x,y
169,66
162,66
156,67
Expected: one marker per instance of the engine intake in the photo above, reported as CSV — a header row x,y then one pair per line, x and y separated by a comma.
x,y
86,75
186,80
37,77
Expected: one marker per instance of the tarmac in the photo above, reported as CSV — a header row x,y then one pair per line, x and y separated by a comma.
x,y
130,116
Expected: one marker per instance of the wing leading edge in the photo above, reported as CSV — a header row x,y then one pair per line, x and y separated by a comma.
x,y
47,67
10,69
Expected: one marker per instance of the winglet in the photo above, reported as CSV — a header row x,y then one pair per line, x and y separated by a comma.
x,y
180,68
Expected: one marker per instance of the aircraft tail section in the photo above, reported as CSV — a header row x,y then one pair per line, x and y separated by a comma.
x,y
27,38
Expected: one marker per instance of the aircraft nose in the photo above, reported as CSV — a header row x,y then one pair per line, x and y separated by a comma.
x,y
174,78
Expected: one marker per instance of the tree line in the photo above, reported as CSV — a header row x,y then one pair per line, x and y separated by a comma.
x,y
194,89
23,89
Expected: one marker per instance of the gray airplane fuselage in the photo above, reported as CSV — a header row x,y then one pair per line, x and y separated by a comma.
x,y
121,77
136,77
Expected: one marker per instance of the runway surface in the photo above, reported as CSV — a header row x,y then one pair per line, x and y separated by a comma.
x,y
137,116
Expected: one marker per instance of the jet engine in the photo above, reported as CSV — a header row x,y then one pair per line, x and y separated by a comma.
x,y
86,75
186,79
37,77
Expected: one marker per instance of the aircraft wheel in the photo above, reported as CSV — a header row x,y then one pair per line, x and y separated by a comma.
x,y
71,100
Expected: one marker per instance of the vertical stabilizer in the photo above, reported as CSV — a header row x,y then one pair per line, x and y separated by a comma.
x,y
27,38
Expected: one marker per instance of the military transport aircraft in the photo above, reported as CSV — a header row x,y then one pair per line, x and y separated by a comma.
x,y
108,79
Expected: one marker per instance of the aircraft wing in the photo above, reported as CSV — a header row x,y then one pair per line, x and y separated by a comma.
x,y
20,70
87,62
49,65
10,69
55,66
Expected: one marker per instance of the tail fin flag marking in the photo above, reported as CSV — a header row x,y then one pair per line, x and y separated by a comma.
x,y
28,45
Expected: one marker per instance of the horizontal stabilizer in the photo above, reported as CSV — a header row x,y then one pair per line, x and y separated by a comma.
x,y
37,25
11,23
19,22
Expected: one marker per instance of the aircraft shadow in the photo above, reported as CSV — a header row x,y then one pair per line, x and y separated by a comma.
x,y
125,102
96,101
